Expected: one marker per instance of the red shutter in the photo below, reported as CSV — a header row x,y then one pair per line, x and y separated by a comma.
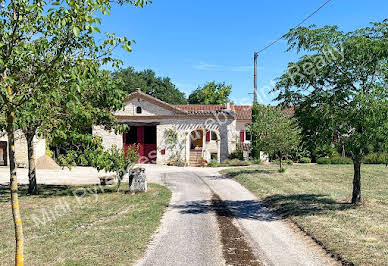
x,y
242,136
207,135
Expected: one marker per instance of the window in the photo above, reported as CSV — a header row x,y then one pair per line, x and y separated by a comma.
x,y
150,135
213,135
138,110
248,136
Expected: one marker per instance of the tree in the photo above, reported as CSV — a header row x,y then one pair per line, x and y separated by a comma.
x,y
275,132
148,82
339,88
37,39
211,93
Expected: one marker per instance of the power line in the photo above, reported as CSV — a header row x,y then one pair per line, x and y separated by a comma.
x,y
300,23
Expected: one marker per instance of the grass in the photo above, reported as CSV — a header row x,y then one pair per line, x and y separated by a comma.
x,y
316,198
95,228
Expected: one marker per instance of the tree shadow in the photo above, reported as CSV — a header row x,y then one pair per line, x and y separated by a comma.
x,y
272,208
247,172
50,191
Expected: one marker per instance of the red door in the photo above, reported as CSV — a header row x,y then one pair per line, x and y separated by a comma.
x,y
145,139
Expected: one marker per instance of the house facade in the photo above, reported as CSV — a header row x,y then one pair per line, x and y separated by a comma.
x,y
185,134
21,157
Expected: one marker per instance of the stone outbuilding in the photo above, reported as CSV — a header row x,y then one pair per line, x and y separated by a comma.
x,y
179,134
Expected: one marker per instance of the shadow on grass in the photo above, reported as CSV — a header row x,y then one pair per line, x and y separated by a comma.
x,y
50,191
233,174
284,206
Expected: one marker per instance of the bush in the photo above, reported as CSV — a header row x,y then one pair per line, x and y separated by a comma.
x,y
341,160
289,162
256,161
238,154
323,160
234,162
282,170
305,160
212,164
376,158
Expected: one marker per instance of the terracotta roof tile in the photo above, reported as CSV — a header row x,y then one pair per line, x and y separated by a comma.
x,y
242,112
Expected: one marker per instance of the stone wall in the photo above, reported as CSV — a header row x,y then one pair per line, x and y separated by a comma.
x,y
109,138
21,148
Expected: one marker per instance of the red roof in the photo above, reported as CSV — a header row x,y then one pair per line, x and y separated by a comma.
x,y
243,112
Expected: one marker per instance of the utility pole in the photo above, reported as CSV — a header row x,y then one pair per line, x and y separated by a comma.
x,y
255,54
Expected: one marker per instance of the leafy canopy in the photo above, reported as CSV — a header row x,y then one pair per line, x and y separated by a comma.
x,y
159,87
339,87
211,93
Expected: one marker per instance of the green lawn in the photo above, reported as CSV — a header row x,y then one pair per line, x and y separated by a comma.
x,y
316,198
106,228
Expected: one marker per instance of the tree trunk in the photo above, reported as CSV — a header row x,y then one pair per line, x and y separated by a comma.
x,y
356,198
14,191
32,184
281,161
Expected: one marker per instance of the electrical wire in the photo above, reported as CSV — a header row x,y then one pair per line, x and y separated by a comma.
x,y
300,23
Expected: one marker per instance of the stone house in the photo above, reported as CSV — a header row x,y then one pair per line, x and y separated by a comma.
x,y
184,134
21,157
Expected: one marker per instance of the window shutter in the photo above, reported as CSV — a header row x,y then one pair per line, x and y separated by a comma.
x,y
242,136
207,135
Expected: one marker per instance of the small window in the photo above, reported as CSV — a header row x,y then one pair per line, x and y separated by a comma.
x,y
138,110
248,136
213,136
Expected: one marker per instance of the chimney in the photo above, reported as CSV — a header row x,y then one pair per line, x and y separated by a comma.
x,y
228,106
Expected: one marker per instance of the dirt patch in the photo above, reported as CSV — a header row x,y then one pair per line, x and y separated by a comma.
x,y
45,162
235,249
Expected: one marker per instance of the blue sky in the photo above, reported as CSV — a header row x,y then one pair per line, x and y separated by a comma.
x,y
195,41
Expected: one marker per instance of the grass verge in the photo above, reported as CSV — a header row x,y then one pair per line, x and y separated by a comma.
x,y
90,225
316,198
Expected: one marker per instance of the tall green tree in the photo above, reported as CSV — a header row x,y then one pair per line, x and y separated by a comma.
x,y
339,88
211,93
275,132
159,87
37,39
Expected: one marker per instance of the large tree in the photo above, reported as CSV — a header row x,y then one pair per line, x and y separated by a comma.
x,y
37,39
211,93
159,87
339,88
274,132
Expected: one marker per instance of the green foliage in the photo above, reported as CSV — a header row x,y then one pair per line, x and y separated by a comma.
x,y
376,158
237,154
212,164
305,160
287,161
211,93
275,132
235,162
324,160
174,147
116,160
340,160
282,170
148,82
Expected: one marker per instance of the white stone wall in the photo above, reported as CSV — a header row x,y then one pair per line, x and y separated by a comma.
x,y
109,138
21,156
148,109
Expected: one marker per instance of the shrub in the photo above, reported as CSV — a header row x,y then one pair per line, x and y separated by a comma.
x,y
282,170
305,160
256,161
234,162
323,160
237,154
376,158
212,164
289,162
340,160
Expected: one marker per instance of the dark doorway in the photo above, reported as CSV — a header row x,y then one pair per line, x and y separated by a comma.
x,y
145,138
3,153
